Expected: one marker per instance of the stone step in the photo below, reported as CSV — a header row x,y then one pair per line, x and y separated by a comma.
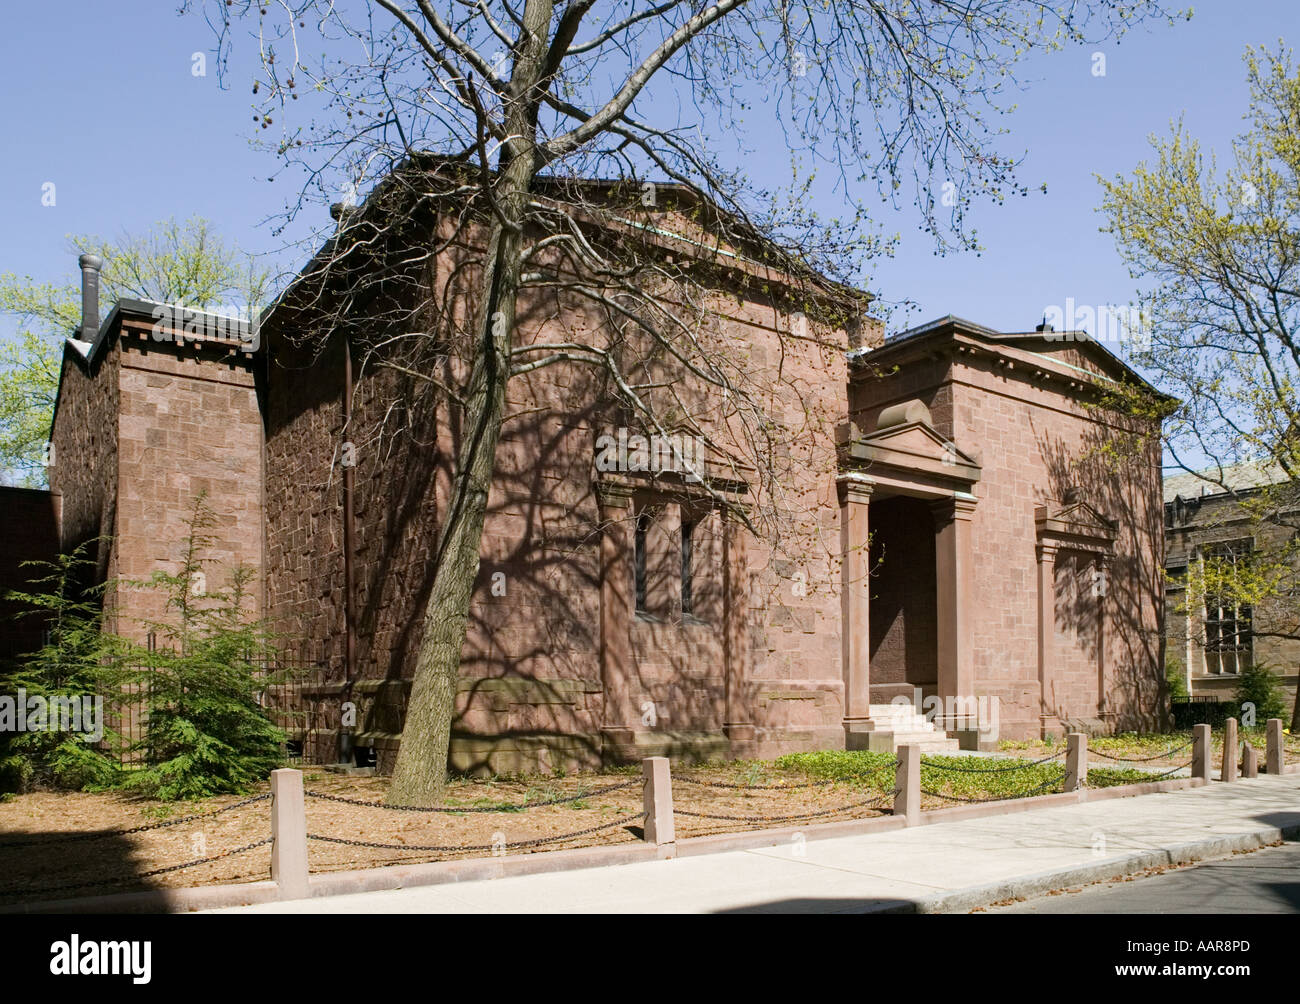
x,y
902,720
926,740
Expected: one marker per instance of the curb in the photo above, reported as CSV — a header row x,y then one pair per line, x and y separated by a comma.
x,y
1041,883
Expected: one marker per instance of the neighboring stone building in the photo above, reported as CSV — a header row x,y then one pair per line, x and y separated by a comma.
x,y
953,530
1204,516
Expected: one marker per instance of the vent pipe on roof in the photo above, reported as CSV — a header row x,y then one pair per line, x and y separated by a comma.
x,y
90,266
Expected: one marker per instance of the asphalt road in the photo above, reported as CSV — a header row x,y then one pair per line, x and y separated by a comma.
x,y
1266,881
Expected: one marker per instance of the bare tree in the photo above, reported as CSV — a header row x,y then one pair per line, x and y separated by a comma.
x,y
488,117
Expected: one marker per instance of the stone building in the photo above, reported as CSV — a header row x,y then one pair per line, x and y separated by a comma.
x,y
954,532
1209,516
155,405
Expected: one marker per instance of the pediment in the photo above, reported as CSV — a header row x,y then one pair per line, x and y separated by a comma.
x,y
919,440
1075,524
912,458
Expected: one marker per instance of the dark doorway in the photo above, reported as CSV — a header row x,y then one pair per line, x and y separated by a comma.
x,y
903,609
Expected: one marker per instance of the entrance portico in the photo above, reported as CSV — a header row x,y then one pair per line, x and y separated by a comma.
x,y
905,458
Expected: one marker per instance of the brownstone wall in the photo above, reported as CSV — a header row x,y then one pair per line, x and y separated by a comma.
x,y
84,437
1037,441
189,422
532,665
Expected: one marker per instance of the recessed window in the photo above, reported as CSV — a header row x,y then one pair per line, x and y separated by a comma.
x,y
639,558
688,530
1228,634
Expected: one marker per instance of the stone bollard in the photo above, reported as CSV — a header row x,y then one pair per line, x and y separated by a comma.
x,y
659,804
1249,761
289,834
907,783
1229,770
1274,755
1201,752
1076,761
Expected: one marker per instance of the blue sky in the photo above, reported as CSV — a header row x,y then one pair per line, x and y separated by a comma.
x,y
100,99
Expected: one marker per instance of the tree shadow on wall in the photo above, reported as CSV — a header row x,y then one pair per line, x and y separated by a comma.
x,y
1118,475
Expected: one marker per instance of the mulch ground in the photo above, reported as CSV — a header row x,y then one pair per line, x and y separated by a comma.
x,y
38,861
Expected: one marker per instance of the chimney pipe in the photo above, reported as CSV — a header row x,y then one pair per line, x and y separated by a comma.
x,y
90,266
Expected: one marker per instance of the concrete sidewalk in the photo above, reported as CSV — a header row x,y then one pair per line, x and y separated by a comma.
x,y
941,867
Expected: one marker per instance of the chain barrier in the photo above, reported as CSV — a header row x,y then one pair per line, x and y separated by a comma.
x,y
475,808
1143,759
535,842
774,787
143,875
752,787
993,770
79,837
1174,770
780,819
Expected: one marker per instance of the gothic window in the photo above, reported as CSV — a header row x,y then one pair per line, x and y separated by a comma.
x,y
1228,635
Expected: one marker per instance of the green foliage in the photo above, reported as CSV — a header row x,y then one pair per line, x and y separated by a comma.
x,y
206,733
875,770
1258,685
1215,246
77,660
1174,677
1109,777
172,263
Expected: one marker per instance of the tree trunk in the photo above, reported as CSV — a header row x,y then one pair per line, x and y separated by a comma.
x,y
421,773
1295,709
420,776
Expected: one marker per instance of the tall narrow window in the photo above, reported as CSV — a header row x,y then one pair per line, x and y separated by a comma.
x,y
639,559
688,530
1229,635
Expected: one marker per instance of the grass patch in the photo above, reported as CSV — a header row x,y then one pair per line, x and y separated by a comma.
x,y
1110,777
876,771
1000,781
859,767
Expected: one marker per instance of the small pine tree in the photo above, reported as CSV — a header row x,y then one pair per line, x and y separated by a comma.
x,y
1258,686
78,659
1174,677
206,732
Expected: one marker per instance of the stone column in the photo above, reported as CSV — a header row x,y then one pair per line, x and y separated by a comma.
x,y
1076,761
955,588
289,834
1229,769
855,600
737,720
1047,720
616,599
1201,752
1275,751
1103,591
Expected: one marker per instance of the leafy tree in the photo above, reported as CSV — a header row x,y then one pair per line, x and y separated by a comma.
x,y
206,732
1257,685
171,263
1217,253
77,660
526,98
